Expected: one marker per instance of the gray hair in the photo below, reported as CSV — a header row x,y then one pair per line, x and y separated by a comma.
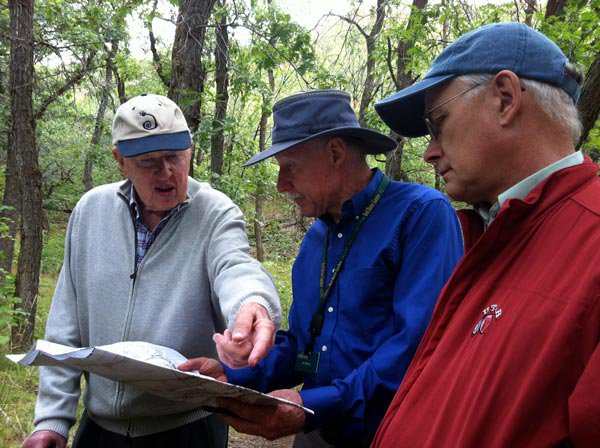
x,y
554,101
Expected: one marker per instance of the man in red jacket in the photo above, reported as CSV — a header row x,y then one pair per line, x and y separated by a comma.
x,y
511,357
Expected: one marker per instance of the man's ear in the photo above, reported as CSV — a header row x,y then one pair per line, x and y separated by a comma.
x,y
119,158
508,90
338,150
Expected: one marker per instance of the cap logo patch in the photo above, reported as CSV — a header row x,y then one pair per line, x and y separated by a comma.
x,y
149,123
490,314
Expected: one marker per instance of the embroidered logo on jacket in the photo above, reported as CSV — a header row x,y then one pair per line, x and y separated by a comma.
x,y
490,314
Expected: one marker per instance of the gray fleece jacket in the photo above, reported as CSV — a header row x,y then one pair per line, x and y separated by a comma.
x,y
190,284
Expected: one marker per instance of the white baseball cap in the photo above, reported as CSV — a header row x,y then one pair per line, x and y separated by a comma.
x,y
149,123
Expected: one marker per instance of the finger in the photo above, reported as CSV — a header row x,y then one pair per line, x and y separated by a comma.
x,y
246,411
244,323
260,350
232,354
262,339
222,342
192,364
235,355
206,366
244,426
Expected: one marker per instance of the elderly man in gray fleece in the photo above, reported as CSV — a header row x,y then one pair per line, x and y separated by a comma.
x,y
160,258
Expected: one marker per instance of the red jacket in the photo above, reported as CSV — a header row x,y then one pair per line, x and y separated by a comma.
x,y
511,357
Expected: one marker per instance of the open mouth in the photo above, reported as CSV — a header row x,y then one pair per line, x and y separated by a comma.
x,y
165,190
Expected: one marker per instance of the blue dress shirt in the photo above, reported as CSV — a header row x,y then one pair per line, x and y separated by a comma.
x,y
377,311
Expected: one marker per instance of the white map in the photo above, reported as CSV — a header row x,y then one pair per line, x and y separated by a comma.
x,y
147,366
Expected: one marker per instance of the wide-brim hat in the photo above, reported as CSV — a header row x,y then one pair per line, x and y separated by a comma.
x,y
318,113
487,50
148,123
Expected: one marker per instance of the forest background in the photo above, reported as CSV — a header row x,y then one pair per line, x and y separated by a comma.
x,y
66,65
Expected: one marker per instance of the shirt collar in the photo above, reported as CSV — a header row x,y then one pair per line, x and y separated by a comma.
x,y
133,204
354,206
521,189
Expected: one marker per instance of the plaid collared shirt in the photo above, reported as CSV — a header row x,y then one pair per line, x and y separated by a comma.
x,y
144,235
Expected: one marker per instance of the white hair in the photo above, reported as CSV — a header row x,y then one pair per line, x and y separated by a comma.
x,y
554,101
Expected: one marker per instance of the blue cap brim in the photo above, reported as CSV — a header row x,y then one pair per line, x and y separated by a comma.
x,y
375,142
403,111
178,141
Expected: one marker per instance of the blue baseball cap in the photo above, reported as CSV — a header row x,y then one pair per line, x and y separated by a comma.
x,y
318,113
490,49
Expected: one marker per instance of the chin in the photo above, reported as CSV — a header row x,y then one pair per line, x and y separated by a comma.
x,y
455,194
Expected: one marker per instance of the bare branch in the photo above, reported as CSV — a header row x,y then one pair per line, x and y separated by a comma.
x,y
351,22
389,64
74,80
155,56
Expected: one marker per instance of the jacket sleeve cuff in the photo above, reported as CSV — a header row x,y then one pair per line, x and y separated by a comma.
x,y
275,317
58,425
325,401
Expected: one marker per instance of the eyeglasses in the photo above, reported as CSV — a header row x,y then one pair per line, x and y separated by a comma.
x,y
173,160
433,126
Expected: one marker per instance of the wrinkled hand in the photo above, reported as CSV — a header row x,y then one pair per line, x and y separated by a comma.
x,y
251,339
206,366
270,422
45,439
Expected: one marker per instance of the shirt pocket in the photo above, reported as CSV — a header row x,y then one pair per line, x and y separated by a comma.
x,y
366,302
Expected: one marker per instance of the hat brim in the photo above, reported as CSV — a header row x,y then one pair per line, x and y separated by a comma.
x,y
375,142
403,111
178,141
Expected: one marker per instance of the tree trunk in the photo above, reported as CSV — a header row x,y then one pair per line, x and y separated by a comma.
x,y
589,101
402,79
120,86
371,40
88,174
555,8
155,56
9,215
222,84
22,141
262,144
258,211
393,161
530,9
188,73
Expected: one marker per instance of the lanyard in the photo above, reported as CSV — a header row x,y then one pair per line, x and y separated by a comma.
x,y
316,323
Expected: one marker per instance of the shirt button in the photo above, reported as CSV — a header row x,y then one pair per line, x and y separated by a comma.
x,y
333,270
324,348
340,235
357,217
330,309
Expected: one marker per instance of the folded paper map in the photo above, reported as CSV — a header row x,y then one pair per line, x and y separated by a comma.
x,y
146,366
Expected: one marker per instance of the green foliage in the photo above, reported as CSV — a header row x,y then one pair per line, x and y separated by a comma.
x,y
577,32
53,253
281,276
8,314
18,384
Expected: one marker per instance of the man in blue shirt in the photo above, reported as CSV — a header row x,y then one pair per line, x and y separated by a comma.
x,y
365,282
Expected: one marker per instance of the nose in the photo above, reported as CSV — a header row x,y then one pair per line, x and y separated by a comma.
x,y
163,168
282,182
433,153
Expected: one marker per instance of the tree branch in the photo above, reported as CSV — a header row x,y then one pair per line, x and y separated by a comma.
x,y
74,80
